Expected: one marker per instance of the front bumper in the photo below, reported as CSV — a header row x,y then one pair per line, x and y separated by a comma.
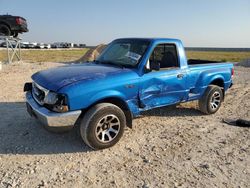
x,y
52,120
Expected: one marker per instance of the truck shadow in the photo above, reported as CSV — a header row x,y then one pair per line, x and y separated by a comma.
x,y
20,134
174,111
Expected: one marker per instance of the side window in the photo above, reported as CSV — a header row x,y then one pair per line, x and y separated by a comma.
x,y
165,55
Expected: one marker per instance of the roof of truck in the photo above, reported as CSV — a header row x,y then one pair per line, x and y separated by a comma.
x,y
151,39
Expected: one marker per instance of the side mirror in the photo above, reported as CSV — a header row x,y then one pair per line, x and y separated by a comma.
x,y
154,65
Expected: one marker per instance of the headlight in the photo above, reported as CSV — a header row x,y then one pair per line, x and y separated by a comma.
x,y
56,102
61,105
51,98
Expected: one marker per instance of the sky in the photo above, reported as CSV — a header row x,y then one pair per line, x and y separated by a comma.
x,y
198,23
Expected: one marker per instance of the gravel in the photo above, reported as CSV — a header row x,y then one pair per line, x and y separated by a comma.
x,y
167,147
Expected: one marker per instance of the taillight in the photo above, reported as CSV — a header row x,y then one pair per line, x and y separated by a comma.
x,y
19,21
232,72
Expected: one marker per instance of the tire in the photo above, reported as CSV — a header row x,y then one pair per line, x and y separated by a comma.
x,y
5,30
96,129
211,100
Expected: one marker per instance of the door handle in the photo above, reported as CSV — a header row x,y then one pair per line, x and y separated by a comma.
x,y
180,76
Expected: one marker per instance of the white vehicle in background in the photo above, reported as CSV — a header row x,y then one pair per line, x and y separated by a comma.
x,y
57,45
24,44
4,44
40,45
32,45
47,46
70,45
62,45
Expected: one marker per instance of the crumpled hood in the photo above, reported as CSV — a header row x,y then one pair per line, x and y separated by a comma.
x,y
56,78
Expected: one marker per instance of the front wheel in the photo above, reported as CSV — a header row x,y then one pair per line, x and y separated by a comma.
x,y
211,100
102,126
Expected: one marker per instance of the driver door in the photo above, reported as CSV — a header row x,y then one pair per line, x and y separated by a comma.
x,y
167,85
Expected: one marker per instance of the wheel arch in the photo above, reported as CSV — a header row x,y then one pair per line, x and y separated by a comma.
x,y
118,102
219,82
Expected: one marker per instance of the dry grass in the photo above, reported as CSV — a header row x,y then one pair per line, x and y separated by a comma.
x,y
219,56
48,55
74,54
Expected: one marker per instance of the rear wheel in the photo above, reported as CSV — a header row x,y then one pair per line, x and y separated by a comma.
x,y
4,30
102,126
211,100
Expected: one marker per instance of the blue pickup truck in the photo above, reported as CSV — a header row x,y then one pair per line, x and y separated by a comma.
x,y
130,76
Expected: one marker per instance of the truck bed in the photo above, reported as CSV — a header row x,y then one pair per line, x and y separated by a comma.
x,y
202,71
198,61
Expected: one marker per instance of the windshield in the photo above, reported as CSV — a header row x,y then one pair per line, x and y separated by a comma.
x,y
124,52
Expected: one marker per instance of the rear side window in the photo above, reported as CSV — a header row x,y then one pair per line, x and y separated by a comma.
x,y
165,55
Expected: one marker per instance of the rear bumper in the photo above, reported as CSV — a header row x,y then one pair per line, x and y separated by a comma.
x,y
52,120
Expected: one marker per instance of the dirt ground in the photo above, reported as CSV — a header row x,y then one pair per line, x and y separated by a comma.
x,y
167,147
